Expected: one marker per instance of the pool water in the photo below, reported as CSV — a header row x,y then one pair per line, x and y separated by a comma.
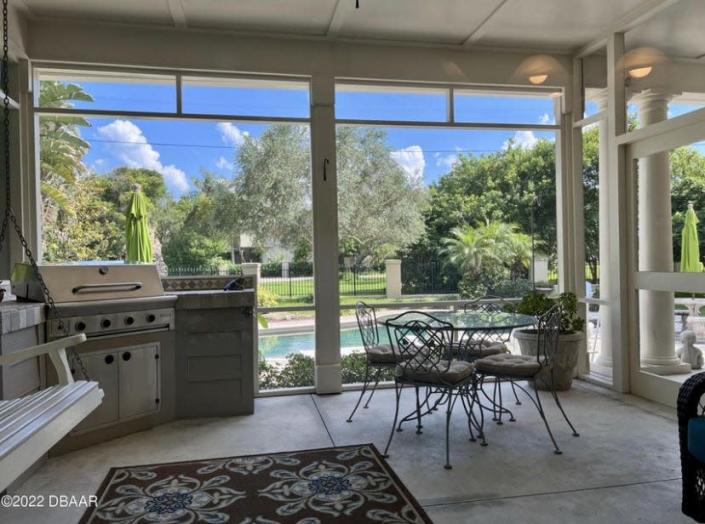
x,y
279,346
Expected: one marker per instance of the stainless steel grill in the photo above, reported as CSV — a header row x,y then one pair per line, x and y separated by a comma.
x,y
129,323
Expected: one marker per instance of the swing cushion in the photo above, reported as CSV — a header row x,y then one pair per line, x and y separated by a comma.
x,y
507,364
381,354
696,438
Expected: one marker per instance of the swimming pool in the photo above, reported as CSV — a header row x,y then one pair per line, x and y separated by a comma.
x,y
279,346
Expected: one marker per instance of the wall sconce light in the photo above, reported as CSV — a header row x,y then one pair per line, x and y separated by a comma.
x,y
640,72
640,62
536,69
537,80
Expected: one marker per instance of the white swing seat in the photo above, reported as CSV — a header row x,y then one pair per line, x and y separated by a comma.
x,y
31,425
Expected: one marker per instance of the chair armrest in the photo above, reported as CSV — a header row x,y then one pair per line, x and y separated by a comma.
x,y
56,350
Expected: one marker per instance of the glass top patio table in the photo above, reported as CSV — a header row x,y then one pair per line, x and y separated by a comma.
x,y
466,321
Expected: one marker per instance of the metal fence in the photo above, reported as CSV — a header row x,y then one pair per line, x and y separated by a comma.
x,y
428,277
297,281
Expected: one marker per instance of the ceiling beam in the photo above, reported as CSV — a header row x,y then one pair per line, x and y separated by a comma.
x,y
480,29
178,15
637,16
336,21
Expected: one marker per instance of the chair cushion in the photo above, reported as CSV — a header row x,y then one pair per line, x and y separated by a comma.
x,y
457,372
483,349
696,438
381,354
508,364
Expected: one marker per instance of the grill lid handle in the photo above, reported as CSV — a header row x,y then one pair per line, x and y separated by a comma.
x,y
103,288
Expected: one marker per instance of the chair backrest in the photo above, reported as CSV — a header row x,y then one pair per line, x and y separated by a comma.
x,y
422,342
367,323
549,331
489,304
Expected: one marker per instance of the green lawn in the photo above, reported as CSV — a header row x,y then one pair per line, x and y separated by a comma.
x,y
300,289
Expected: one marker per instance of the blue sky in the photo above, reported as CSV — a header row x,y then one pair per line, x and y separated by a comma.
x,y
182,149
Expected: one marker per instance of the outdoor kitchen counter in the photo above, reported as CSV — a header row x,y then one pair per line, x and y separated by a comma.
x,y
215,352
16,316
21,326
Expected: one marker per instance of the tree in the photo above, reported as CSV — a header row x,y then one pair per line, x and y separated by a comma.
x,y
196,231
272,187
487,254
499,186
379,205
61,157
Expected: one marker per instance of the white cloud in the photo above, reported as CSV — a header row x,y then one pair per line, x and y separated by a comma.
x,y
447,161
230,134
224,163
521,139
131,147
545,119
411,160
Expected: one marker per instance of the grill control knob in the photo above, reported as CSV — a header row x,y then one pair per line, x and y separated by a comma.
x,y
129,321
105,323
151,317
80,325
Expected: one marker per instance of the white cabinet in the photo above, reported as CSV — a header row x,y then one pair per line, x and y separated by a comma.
x,y
102,367
130,380
138,380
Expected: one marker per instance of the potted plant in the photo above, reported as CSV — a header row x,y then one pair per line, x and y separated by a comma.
x,y
566,358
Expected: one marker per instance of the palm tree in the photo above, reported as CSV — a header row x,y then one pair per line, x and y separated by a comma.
x,y
61,146
488,248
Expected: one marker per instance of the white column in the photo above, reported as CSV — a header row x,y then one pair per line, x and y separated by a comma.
x,y
252,269
656,329
393,270
325,235
605,357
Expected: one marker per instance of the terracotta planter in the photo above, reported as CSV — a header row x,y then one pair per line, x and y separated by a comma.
x,y
565,361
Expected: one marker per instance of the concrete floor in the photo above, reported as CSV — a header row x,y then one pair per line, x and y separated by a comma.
x,y
624,467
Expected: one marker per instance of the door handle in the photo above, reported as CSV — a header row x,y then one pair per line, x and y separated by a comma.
x,y
325,172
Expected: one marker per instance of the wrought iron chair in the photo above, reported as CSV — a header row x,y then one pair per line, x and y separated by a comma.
x,y
488,343
507,366
691,432
426,361
378,356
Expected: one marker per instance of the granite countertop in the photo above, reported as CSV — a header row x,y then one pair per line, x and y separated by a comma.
x,y
15,315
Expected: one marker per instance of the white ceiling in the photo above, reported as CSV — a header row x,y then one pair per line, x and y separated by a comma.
x,y
553,25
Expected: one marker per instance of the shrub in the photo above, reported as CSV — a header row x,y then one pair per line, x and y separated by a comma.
x,y
537,304
353,369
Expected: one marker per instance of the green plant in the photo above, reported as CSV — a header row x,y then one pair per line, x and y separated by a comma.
x,y
537,304
353,369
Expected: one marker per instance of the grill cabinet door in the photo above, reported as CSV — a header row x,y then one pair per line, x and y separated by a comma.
x,y
139,380
102,366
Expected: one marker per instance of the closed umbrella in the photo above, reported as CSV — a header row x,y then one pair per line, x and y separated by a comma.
x,y
139,245
690,247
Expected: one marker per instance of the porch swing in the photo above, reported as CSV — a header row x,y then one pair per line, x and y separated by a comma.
x,y
30,426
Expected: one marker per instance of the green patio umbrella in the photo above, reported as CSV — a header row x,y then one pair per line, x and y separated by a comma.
x,y
139,245
690,247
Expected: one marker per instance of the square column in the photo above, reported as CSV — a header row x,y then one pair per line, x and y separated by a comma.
x,y
325,235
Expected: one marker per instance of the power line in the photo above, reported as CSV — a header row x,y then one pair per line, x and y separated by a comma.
x,y
214,146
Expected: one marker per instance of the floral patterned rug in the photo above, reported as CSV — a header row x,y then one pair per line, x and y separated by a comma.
x,y
347,484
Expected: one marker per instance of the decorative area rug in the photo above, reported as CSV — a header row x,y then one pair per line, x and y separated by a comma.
x,y
351,484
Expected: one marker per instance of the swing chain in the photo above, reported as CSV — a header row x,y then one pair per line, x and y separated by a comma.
x,y
10,216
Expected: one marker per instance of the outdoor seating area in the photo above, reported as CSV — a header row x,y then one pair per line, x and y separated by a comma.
x,y
351,261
